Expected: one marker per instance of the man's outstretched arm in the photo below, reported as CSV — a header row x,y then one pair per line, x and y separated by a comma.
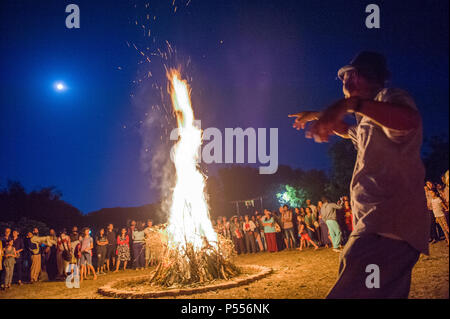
x,y
389,115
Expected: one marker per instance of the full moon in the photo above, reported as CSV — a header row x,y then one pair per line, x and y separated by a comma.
x,y
59,86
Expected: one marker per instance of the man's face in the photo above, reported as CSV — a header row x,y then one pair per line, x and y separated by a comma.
x,y
308,202
110,227
281,209
353,84
35,231
7,232
149,223
15,233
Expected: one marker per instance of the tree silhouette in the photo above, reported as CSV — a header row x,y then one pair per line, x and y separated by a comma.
x,y
343,157
436,157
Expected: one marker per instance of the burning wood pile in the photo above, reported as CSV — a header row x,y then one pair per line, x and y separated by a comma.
x,y
187,266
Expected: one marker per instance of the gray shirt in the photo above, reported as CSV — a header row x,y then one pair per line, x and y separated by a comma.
x,y
328,211
387,195
138,236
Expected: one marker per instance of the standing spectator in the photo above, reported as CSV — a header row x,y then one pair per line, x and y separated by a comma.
x,y
1,260
303,234
149,258
438,210
324,234
123,249
238,236
434,236
278,230
258,232
74,236
19,247
111,247
288,227
139,246
102,245
1,257
74,249
313,208
302,211
249,233
261,231
226,228
269,231
10,260
50,256
87,245
348,217
130,231
219,227
328,213
77,251
6,237
63,254
445,184
295,222
34,250
311,225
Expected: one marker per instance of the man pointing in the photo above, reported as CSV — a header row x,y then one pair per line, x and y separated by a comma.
x,y
387,198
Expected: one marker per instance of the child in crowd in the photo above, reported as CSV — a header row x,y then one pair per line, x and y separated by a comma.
x,y
303,234
123,249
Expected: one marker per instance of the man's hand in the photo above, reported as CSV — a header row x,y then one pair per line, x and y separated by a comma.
x,y
304,117
331,120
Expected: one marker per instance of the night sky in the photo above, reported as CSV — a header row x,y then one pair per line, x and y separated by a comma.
x,y
251,62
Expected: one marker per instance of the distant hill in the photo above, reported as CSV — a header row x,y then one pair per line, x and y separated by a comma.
x,y
120,216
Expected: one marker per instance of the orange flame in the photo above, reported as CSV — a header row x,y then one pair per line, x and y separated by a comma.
x,y
189,220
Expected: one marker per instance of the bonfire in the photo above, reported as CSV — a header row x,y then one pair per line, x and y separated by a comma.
x,y
193,252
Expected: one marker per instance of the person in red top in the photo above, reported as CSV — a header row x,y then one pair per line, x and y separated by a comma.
x,y
123,249
348,216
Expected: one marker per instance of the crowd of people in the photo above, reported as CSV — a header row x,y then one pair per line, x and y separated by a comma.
x,y
32,257
438,207
325,224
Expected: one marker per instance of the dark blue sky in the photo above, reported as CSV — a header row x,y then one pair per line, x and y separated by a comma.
x,y
251,62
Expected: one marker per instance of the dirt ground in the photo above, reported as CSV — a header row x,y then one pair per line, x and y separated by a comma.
x,y
297,275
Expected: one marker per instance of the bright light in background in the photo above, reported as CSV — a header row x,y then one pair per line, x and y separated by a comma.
x,y
60,86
